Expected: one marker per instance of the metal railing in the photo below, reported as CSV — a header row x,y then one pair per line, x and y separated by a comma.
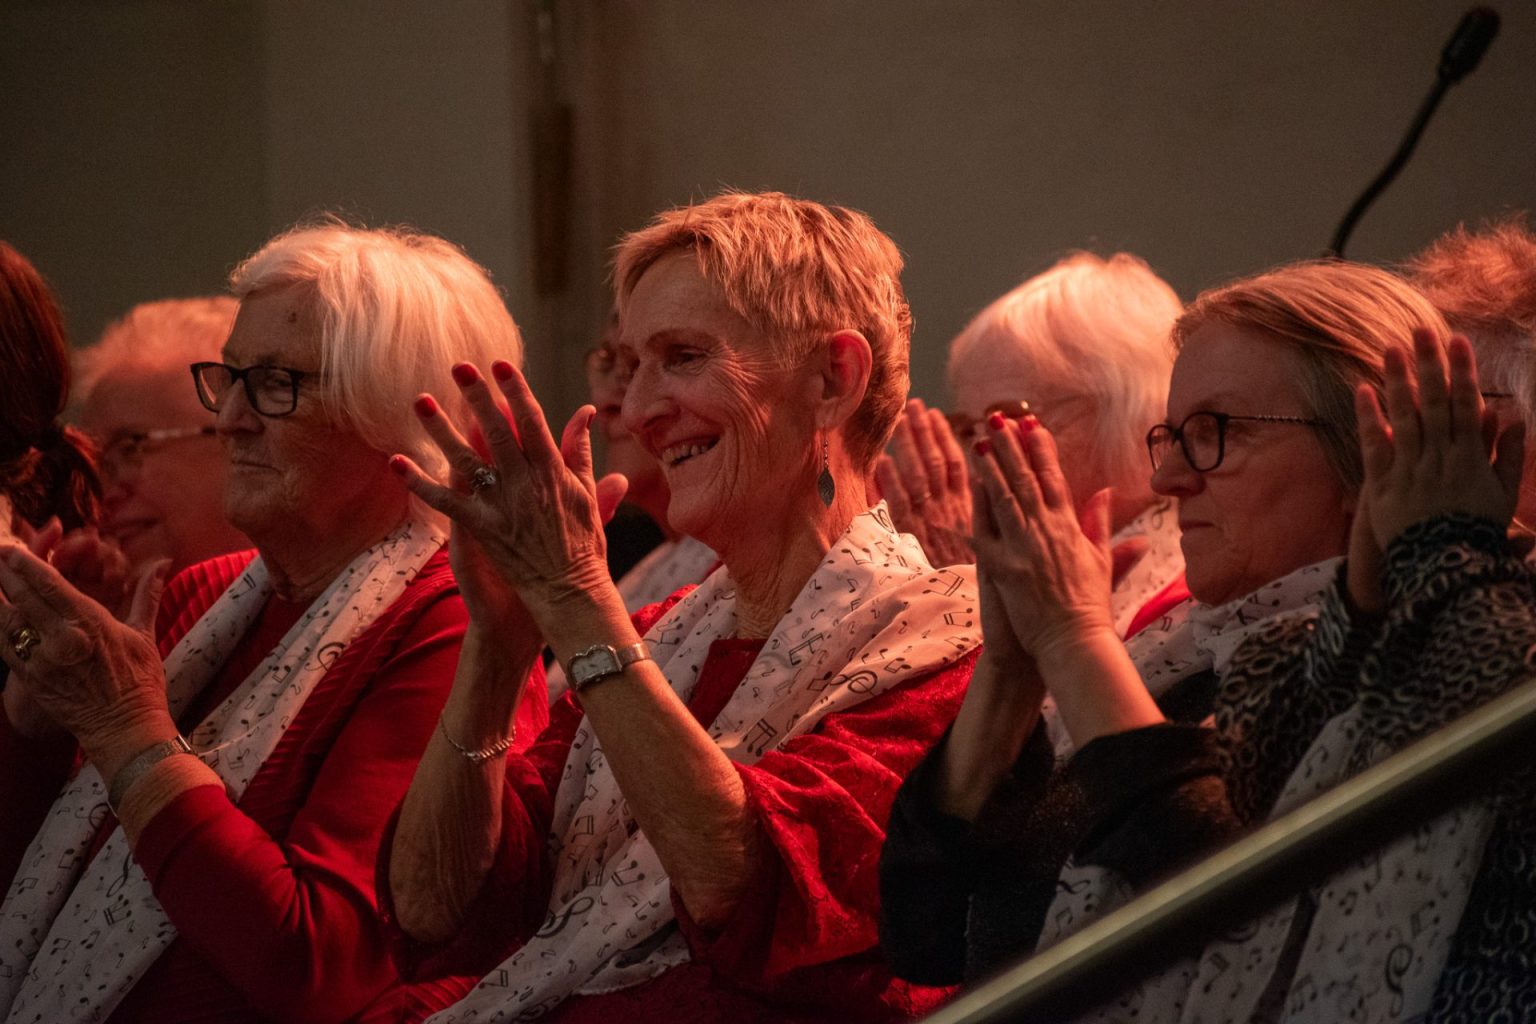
x,y
1175,919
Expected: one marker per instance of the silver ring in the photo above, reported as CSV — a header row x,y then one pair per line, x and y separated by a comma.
x,y
23,640
481,478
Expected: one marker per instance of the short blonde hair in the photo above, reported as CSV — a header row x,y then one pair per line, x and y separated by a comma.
x,y
170,334
1339,318
397,309
1087,326
1485,284
797,270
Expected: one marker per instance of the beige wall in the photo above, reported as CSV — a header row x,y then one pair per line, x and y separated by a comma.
x,y
149,144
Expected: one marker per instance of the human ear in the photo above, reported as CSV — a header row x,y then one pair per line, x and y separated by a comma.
x,y
845,366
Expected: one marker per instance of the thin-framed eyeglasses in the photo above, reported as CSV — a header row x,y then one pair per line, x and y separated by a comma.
x,y
1203,437
271,390
124,454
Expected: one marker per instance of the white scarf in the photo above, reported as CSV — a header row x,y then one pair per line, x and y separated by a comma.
x,y
78,937
872,616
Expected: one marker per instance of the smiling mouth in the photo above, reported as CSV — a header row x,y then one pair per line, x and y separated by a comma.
x,y
677,454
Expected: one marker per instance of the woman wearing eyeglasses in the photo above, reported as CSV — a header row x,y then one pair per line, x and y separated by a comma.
x,y
213,859
1260,453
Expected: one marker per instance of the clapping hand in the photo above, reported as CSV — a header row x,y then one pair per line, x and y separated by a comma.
x,y
924,482
1434,450
531,513
1052,571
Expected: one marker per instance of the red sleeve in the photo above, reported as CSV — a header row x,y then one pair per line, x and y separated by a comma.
x,y
292,924
821,803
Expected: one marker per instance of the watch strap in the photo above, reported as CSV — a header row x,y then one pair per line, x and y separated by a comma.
x,y
618,659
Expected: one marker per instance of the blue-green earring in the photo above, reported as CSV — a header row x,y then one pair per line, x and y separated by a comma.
x,y
826,487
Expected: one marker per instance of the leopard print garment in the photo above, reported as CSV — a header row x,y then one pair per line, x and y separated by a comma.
x,y
1460,631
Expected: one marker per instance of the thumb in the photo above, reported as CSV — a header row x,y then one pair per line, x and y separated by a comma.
x,y
1094,518
610,491
576,446
146,596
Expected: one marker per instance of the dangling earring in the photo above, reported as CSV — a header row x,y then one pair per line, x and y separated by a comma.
x,y
826,487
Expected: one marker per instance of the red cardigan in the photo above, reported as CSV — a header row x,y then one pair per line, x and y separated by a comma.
x,y
804,945
273,899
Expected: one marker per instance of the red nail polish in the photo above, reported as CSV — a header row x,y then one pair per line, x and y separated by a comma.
x,y
983,447
1028,423
501,370
465,374
426,406
397,463
996,420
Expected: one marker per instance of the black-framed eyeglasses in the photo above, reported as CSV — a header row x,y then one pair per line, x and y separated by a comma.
x,y
1203,437
124,454
271,390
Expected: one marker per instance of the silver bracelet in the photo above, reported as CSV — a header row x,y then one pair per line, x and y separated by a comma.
x,y
477,757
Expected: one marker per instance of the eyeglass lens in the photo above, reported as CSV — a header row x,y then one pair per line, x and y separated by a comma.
x,y
271,390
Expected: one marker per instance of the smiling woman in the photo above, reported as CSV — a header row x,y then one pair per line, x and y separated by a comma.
x,y
693,837
243,761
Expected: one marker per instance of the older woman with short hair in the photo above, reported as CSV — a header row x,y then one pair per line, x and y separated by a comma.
x,y
162,467
1082,347
694,837
1259,451
213,859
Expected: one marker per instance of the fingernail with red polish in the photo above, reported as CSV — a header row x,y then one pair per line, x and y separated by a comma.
x,y
465,374
426,406
996,421
501,370
983,447
397,463
1028,423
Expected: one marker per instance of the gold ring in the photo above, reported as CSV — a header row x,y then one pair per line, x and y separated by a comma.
x,y
23,640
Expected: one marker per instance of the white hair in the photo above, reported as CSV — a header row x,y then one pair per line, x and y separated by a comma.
x,y
1087,327
397,309
170,334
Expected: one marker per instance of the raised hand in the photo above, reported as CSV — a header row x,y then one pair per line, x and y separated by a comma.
x,y
533,510
1052,571
924,482
1434,450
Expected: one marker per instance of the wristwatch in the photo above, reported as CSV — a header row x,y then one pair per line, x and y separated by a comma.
x,y
600,661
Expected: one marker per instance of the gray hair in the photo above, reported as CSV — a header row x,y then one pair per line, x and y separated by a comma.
x,y
397,309
1091,327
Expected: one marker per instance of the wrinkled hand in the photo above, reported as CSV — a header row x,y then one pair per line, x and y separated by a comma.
x,y
539,527
923,480
1434,450
91,563
1052,572
97,677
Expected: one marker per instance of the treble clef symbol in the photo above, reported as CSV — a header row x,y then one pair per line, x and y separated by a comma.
x,y
555,925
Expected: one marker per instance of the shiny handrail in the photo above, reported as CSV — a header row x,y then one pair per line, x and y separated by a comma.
x,y
1174,919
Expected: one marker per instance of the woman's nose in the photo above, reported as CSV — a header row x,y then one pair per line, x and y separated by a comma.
x,y
645,399
1173,477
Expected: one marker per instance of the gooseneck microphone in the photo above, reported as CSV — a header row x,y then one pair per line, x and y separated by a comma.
x,y
1459,58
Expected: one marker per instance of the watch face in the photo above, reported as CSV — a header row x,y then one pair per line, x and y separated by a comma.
x,y
594,664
